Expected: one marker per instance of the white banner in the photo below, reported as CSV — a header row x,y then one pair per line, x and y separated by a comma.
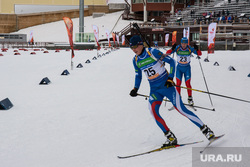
x,y
123,40
166,39
31,36
108,36
211,37
117,39
186,32
96,32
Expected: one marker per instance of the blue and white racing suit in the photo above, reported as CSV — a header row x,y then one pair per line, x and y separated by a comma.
x,y
151,62
183,67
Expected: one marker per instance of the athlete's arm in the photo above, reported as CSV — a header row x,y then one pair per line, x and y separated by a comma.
x,y
164,57
172,50
195,50
138,75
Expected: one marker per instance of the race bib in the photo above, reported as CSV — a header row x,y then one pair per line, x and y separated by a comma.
x,y
154,71
183,59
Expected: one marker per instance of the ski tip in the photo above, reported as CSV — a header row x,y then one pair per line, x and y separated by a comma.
x,y
219,136
216,138
119,157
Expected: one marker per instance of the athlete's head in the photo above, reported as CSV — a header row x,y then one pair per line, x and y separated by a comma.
x,y
136,44
184,42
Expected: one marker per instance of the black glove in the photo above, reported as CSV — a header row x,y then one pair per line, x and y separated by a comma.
x,y
196,47
173,47
169,82
133,92
198,57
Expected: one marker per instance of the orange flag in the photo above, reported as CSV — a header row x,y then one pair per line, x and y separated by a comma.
x,y
113,35
69,26
31,41
174,37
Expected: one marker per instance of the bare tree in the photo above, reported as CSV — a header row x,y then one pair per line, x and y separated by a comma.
x,y
145,13
172,6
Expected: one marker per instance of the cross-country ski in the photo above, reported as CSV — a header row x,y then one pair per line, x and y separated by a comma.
x,y
159,149
211,141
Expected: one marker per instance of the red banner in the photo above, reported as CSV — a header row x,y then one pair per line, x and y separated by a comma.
x,y
69,26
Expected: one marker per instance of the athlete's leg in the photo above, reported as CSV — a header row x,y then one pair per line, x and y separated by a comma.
x,y
187,76
172,94
155,101
178,79
188,84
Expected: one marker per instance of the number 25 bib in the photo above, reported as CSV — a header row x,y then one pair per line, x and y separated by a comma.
x,y
151,67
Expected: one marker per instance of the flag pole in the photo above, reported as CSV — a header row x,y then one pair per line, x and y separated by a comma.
x,y
72,59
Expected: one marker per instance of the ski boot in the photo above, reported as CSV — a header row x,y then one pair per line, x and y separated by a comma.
x,y
207,132
190,100
171,139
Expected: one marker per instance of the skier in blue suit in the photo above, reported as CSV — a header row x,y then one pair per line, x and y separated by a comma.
x,y
184,52
151,62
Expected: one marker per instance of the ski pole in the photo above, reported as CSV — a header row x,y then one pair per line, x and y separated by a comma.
x,y
214,94
183,103
205,83
143,38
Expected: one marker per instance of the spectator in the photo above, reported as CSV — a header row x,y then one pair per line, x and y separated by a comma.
x,y
223,12
232,18
212,14
229,19
219,14
218,19
192,12
236,18
223,19
198,20
179,12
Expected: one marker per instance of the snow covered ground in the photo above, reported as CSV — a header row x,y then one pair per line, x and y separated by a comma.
x,y
87,118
